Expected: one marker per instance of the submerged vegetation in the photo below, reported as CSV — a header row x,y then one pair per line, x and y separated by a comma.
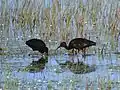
x,y
78,68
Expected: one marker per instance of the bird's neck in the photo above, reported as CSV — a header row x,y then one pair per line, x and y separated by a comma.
x,y
67,47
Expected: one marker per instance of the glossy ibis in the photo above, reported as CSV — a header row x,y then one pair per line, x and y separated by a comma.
x,y
37,45
77,43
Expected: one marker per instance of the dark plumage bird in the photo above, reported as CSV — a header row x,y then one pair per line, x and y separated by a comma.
x,y
77,43
37,45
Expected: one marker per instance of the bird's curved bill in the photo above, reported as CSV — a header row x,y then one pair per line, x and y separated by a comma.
x,y
93,43
58,47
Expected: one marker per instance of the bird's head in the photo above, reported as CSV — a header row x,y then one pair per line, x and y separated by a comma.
x,y
62,44
27,42
46,50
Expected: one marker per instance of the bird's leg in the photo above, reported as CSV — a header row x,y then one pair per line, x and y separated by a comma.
x,y
84,51
83,56
72,59
76,52
78,58
73,51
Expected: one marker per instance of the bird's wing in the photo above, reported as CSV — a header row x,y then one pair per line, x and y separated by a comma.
x,y
77,44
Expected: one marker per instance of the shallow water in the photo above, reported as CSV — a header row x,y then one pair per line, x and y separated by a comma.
x,y
54,77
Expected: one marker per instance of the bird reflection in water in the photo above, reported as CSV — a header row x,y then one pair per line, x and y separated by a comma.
x,y
78,67
37,66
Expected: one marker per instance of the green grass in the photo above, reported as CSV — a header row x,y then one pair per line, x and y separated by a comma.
x,y
49,20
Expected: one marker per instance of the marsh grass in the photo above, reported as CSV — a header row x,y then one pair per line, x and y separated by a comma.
x,y
56,22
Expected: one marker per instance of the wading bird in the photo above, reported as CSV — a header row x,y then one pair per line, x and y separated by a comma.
x,y
37,45
77,43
